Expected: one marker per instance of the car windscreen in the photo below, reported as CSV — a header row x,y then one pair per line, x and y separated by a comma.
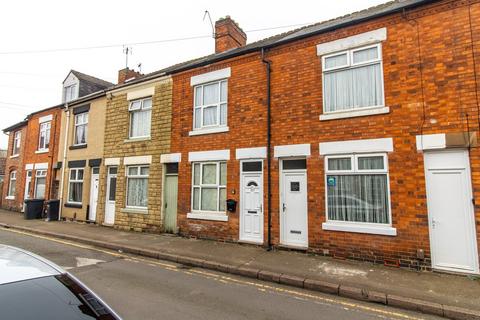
x,y
53,297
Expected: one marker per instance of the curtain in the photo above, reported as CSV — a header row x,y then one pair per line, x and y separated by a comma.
x,y
222,199
81,134
223,114
358,198
370,163
197,121
76,189
209,175
340,164
210,116
137,192
141,123
211,94
40,188
209,199
365,55
11,191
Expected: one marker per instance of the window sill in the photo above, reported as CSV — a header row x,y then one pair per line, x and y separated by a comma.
x,y
359,228
41,151
14,156
77,146
134,210
354,113
73,205
207,216
9,198
208,131
137,139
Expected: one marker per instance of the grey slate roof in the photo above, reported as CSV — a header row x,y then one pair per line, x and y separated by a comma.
x,y
89,84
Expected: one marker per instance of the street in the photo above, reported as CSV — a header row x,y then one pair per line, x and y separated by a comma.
x,y
141,288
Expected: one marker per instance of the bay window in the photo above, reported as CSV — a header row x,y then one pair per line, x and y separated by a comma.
x,y
44,136
358,189
210,105
81,126
75,186
137,186
140,118
40,183
12,184
209,190
353,79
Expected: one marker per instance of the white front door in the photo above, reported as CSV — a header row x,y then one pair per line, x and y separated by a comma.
x,y
293,204
111,193
28,184
92,215
450,211
251,202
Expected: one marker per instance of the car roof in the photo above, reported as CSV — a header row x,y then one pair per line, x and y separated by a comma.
x,y
19,265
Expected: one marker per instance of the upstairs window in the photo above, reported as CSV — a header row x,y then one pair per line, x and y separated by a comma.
x,y
140,118
75,187
209,187
353,79
81,126
210,105
44,136
12,184
40,183
16,143
357,188
70,92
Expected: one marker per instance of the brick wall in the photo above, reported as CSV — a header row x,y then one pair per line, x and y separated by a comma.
x,y
117,146
15,163
439,103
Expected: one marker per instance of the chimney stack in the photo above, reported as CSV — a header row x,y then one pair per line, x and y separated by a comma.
x,y
228,35
127,74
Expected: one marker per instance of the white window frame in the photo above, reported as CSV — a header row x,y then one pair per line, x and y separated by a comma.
x,y
132,110
44,128
84,118
210,186
202,107
139,175
17,138
351,65
70,92
357,226
13,177
76,180
40,174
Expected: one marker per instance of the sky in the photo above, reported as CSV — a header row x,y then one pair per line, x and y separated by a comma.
x,y
31,73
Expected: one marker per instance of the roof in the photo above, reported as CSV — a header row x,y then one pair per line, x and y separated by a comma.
x,y
18,265
16,126
91,79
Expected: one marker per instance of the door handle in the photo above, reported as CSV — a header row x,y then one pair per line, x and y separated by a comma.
x,y
433,223
284,207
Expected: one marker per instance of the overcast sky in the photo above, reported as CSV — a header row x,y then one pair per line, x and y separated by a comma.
x,y
32,81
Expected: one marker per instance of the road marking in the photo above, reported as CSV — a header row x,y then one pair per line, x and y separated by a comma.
x,y
226,279
83,262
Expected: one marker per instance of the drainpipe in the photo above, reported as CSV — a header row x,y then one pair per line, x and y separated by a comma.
x,y
65,144
269,171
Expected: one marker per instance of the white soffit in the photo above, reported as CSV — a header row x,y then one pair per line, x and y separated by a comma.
x,y
251,153
45,118
41,166
292,150
352,42
356,146
141,93
209,155
112,161
137,160
171,158
431,141
210,76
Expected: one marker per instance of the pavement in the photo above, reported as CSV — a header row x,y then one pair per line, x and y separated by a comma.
x,y
150,289
451,296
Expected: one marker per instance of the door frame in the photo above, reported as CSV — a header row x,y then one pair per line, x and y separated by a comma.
x,y
281,198
164,180
466,157
107,193
26,191
90,193
240,229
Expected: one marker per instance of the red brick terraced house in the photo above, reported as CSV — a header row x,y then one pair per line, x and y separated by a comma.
x,y
354,138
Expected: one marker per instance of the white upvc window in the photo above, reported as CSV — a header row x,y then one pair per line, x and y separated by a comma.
x,y
140,117
209,187
210,105
40,183
353,79
44,136
12,184
81,129
357,189
16,143
137,186
70,92
75,185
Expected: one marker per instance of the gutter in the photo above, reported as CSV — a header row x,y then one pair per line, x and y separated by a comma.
x,y
268,64
64,158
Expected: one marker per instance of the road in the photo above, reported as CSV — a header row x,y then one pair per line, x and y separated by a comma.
x,y
142,288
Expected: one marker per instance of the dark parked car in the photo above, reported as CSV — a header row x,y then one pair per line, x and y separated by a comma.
x,y
34,288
